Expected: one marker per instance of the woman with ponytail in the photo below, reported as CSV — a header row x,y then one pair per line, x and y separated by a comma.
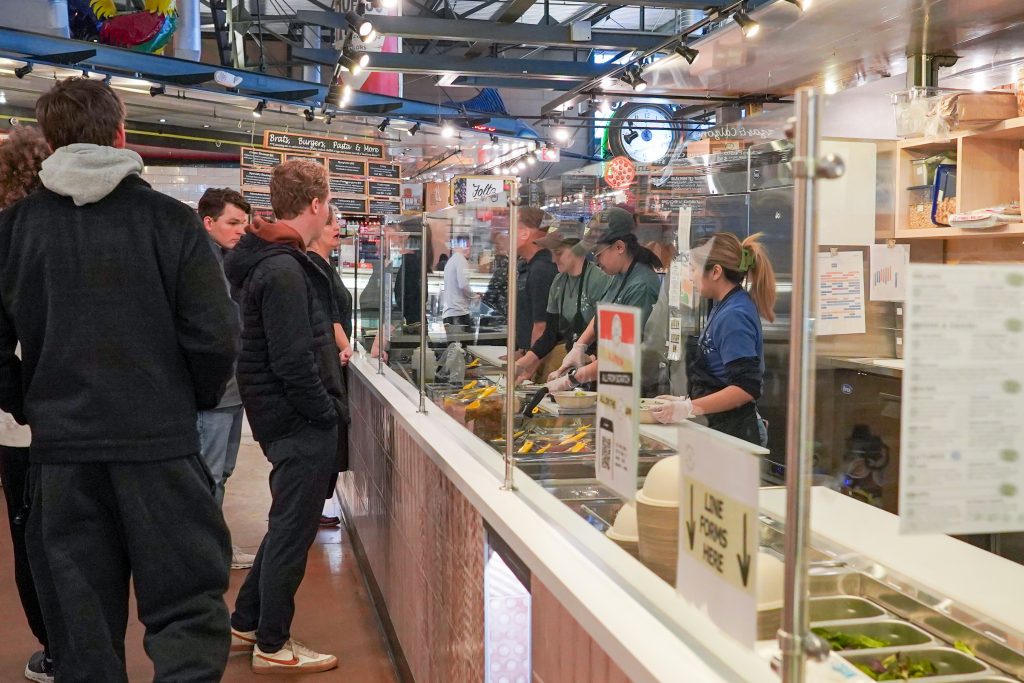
x,y
726,371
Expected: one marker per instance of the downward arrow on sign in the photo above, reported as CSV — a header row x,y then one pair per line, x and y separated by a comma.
x,y
691,527
745,558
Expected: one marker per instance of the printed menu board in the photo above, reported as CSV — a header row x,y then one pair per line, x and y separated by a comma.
x,y
259,200
382,207
304,157
348,186
323,145
349,204
346,167
379,189
961,454
260,157
384,171
252,177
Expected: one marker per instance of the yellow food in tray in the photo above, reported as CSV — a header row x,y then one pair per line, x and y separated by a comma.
x,y
526,447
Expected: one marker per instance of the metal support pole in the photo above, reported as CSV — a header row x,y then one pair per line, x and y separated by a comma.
x,y
384,308
424,267
510,353
357,327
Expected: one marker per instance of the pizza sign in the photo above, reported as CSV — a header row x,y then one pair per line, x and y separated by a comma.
x,y
619,173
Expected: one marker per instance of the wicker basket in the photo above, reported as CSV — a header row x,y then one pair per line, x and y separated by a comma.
x,y
659,537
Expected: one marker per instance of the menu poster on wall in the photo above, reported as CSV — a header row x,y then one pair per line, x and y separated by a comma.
x,y
412,197
841,293
259,200
260,157
391,171
304,157
889,265
252,177
481,191
961,452
321,145
379,189
349,205
346,167
384,207
348,186
719,535
618,398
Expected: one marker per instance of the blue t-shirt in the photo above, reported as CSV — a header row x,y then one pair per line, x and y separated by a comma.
x,y
733,332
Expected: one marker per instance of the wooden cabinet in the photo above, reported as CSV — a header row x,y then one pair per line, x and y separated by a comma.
x,y
988,174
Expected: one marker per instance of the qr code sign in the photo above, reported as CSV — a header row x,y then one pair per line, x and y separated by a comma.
x,y
606,452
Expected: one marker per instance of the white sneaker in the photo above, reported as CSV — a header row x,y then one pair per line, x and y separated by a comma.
x,y
242,641
293,658
240,560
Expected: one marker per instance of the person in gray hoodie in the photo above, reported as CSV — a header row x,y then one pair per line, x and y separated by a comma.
x,y
126,329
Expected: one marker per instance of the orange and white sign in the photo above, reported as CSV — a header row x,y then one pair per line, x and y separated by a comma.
x,y
618,397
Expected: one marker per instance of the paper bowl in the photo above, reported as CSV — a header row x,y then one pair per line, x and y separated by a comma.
x,y
771,575
575,400
658,527
625,526
646,404
662,484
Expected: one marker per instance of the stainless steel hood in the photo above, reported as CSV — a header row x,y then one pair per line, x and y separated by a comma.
x,y
838,44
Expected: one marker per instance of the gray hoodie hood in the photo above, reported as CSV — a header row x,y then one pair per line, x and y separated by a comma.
x,y
88,173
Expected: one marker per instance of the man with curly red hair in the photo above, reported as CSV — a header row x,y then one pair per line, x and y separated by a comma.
x,y
21,157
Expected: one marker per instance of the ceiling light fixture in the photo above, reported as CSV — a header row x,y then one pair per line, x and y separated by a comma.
x,y
258,111
310,115
531,160
686,52
415,129
494,140
329,118
360,24
748,26
447,130
23,71
562,134
630,137
163,120
157,90
389,4
383,125
804,5
3,97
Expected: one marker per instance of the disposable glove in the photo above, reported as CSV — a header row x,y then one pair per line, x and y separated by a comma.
x,y
559,384
576,358
674,409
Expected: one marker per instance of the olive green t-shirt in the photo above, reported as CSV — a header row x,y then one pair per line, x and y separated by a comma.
x,y
639,288
565,290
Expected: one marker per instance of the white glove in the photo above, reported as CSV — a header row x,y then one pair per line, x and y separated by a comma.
x,y
674,409
559,384
576,358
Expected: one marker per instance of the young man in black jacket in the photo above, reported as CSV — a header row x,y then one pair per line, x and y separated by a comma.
x,y
124,277
290,378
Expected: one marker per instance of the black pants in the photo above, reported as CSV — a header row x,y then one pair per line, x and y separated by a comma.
x,y
95,526
14,473
302,467
464,320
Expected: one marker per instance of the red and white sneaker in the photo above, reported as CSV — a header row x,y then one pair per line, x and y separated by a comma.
x,y
293,658
242,641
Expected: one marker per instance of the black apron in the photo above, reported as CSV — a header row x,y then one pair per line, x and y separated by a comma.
x,y
571,330
743,422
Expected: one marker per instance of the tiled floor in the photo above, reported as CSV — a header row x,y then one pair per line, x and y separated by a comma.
x,y
333,613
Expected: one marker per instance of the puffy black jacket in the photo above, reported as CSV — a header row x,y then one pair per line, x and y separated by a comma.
x,y
125,325
288,370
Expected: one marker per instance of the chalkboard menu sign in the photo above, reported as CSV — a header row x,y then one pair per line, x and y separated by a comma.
x,y
381,207
322,145
348,186
252,177
346,167
384,171
304,157
260,200
260,157
379,189
574,184
349,205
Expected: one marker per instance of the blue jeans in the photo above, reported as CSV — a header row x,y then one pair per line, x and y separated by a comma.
x,y
220,433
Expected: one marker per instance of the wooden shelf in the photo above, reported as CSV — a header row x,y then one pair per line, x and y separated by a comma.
x,y
1010,129
959,233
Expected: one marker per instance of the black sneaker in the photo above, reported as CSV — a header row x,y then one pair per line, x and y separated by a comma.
x,y
328,522
39,668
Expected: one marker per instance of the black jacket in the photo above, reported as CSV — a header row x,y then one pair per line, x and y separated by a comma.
x,y
288,369
125,325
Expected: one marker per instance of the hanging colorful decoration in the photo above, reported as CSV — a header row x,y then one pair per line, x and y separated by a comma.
x,y
146,31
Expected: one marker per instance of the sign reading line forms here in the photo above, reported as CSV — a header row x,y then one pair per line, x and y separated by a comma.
x,y
719,535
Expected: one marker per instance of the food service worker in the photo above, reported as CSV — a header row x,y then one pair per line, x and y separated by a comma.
x,y
726,369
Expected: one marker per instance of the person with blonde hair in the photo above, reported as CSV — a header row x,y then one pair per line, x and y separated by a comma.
x,y
21,158
726,370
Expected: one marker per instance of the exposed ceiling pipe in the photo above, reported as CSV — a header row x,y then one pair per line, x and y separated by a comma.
x,y
188,41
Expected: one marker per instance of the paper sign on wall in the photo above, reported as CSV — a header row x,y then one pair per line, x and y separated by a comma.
x,y
618,400
961,446
889,272
719,539
841,293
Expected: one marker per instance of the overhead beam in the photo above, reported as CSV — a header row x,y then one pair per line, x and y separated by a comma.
x,y
441,64
513,83
510,14
473,30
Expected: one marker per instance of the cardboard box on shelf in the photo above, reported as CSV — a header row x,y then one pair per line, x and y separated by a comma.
x,y
979,108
